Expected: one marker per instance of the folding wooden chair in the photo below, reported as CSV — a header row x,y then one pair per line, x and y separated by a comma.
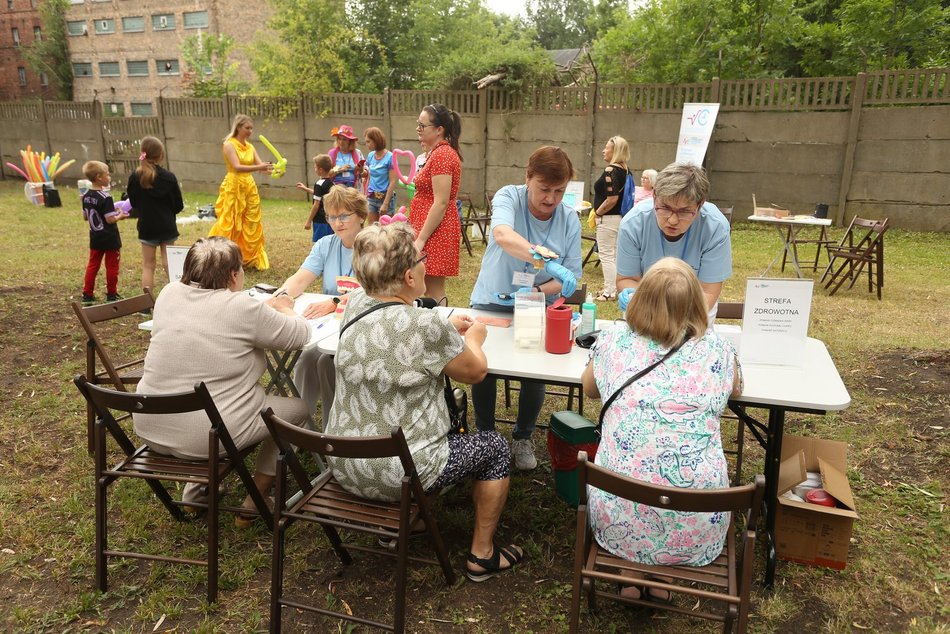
x,y
465,223
862,245
155,468
592,251
574,391
328,504
718,591
116,375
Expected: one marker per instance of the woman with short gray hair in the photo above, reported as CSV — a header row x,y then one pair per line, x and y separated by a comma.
x,y
391,362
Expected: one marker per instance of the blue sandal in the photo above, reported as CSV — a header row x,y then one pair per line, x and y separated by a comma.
x,y
492,566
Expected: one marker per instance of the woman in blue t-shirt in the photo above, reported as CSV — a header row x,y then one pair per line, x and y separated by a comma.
x,y
330,258
381,192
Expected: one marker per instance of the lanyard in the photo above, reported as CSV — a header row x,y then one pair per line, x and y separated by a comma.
x,y
527,230
663,239
340,255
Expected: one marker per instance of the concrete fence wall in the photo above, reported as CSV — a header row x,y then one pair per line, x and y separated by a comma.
x,y
874,145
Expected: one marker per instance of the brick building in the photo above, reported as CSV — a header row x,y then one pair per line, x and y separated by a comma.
x,y
125,53
19,27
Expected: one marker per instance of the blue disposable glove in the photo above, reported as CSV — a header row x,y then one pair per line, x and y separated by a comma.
x,y
508,299
562,273
624,298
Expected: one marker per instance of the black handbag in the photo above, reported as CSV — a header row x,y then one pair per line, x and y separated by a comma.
x,y
51,196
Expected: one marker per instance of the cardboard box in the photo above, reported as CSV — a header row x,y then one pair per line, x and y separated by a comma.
x,y
772,211
809,533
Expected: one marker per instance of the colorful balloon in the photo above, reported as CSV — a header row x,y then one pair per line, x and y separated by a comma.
x,y
412,166
281,165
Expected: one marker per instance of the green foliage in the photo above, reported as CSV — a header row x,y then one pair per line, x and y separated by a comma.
x,y
209,73
375,44
309,52
50,54
560,23
693,40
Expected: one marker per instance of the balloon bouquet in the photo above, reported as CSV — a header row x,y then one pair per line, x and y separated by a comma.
x,y
406,182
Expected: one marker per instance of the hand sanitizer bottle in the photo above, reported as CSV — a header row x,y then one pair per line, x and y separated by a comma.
x,y
588,315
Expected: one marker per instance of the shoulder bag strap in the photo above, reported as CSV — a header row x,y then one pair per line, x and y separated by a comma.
x,y
366,312
635,377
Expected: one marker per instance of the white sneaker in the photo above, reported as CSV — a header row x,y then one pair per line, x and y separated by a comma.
x,y
523,451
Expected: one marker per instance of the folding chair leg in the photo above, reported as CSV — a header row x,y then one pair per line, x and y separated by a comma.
x,y
277,575
213,521
402,564
102,542
337,544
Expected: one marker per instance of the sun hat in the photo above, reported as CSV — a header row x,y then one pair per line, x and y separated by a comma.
x,y
344,131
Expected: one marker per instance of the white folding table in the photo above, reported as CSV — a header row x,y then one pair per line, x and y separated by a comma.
x,y
788,229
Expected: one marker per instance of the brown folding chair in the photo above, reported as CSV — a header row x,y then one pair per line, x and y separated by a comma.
x,y
325,502
862,245
574,391
592,251
155,468
466,224
117,375
718,591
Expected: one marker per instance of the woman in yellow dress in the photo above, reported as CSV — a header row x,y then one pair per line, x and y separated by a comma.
x,y
238,207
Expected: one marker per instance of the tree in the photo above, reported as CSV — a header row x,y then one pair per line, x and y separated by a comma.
x,y
560,23
309,52
209,73
50,54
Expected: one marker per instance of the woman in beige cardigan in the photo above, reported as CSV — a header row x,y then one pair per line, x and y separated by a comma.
x,y
205,329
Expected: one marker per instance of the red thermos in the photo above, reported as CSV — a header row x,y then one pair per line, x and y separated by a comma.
x,y
557,329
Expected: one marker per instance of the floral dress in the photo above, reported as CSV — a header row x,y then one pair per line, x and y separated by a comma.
x,y
238,209
442,248
662,429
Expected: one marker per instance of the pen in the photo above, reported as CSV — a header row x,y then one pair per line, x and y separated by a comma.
x,y
450,313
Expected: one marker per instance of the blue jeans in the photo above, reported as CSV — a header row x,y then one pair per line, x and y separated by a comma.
x,y
375,205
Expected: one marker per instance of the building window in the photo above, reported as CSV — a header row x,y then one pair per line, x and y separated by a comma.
x,y
142,109
76,27
166,66
108,69
105,26
37,34
134,24
21,72
9,4
82,69
137,68
163,22
44,79
196,20
16,36
113,109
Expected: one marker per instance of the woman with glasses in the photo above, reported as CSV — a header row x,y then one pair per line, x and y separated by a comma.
x,y
432,212
677,222
399,379
608,193
331,259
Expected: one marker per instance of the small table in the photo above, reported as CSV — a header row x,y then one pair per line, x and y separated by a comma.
x,y
280,363
788,229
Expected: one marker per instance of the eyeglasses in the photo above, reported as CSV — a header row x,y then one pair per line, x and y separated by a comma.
x,y
422,126
681,214
340,218
422,258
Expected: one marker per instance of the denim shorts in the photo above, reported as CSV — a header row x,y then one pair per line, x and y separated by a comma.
x,y
157,243
376,203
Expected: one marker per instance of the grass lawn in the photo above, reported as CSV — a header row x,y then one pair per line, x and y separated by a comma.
x,y
892,354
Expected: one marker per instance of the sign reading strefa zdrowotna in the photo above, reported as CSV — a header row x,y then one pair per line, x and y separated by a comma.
x,y
696,129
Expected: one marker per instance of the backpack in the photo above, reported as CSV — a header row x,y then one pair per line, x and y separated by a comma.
x,y
626,204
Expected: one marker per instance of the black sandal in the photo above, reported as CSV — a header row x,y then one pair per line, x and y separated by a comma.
x,y
492,566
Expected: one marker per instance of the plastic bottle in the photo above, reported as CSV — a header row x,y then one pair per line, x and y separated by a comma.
x,y
588,315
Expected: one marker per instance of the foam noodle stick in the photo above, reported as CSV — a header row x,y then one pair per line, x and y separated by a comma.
x,y
63,167
54,162
17,170
405,180
281,165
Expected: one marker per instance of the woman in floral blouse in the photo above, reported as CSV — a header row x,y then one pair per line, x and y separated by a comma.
x,y
664,427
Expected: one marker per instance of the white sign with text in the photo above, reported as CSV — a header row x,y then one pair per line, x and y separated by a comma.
x,y
696,128
775,321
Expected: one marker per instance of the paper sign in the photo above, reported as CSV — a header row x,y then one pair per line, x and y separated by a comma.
x,y
574,195
775,321
696,129
176,262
